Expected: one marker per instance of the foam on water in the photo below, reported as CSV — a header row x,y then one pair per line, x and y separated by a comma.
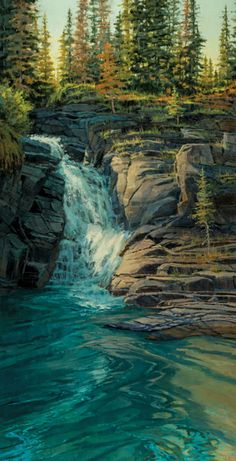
x,y
92,240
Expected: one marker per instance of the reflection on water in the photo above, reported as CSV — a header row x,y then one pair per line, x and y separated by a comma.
x,y
72,390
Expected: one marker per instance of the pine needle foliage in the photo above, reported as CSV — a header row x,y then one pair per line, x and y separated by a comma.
x,y
110,84
11,153
205,208
13,122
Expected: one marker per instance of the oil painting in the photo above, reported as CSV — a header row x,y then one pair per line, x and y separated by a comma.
x,y
117,230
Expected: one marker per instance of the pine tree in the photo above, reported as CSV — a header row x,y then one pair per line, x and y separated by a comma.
x,y
175,108
205,208
151,54
211,72
69,44
81,44
117,39
110,84
207,79
126,47
104,32
45,63
93,63
172,41
139,64
62,68
225,50
233,50
189,49
65,67
6,31
20,47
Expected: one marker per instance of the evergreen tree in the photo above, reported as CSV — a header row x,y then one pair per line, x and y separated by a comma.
x,y
6,31
126,44
93,63
211,73
175,108
45,63
117,40
20,42
65,68
110,84
207,79
81,44
173,34
188,50
205,208
233,50
151,56
62,70
104,32
225,50
69,44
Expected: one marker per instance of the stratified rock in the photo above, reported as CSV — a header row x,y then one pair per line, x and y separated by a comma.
x,y
142,189
31,218
189,162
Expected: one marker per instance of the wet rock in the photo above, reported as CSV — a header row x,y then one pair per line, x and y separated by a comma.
x,y
31,218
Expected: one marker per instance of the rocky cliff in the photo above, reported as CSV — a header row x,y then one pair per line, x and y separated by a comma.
x,y
165,266
31,218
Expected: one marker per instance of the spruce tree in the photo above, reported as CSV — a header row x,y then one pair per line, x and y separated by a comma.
x,y
6,30
188,51
205,208
172,42
175,108
62,60
65,68
81,44
225,50
126,44
69,44
110,84
151,54
45,63
93,62
104,32
233,50
117,40
207,75
20,49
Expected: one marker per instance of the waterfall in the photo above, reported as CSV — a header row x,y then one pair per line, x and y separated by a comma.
x,y
92,241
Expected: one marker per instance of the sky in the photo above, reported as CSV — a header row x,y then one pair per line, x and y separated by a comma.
x,y
210,19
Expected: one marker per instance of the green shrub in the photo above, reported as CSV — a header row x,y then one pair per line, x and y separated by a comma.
x,y
14,121
14,109
11,153
71,93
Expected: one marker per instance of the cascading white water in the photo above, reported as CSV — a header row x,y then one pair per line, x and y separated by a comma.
x,y
92,241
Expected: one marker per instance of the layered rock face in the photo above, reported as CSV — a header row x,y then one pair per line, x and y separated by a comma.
x,y
165,265
31,218
79,127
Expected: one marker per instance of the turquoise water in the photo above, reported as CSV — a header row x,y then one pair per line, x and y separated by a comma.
x,y
72,390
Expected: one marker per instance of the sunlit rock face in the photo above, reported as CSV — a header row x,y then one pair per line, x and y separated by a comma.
x,y
31,216
165,265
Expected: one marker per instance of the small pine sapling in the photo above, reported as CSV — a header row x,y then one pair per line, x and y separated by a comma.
x,y
205,208
175,108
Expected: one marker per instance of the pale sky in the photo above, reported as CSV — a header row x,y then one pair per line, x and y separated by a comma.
x,y
210,19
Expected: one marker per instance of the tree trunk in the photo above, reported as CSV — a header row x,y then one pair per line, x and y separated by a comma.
x,y
113,106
